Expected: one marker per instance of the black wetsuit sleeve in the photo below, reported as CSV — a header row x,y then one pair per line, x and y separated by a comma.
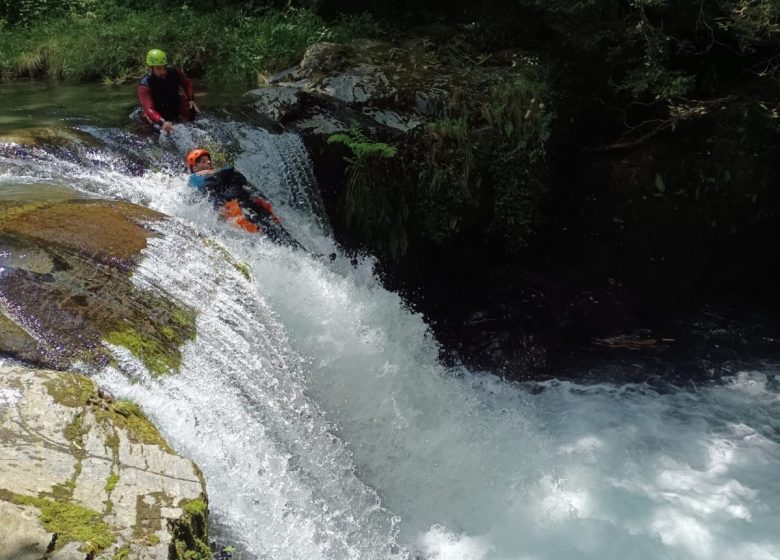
x,y
230,175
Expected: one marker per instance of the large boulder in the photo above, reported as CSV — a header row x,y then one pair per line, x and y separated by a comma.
x,y
417,149
66,285
394,88
85,476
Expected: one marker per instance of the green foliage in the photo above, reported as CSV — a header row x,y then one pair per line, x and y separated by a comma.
x,y
653,80
488,163
751,21
448,184
25,12
363,149
197,506
518,115
190,538
108,42
370,202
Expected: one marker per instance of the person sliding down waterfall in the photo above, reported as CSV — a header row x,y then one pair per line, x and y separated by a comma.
x,y
166,94
232,195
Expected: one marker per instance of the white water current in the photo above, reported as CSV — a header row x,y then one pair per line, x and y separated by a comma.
x,y
313,400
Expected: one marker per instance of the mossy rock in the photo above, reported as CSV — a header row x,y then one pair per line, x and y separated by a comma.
x,y
15,340
68,267
107,229
69,522
104,489
47,136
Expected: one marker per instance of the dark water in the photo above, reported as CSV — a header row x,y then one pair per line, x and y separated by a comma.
x,y
34,104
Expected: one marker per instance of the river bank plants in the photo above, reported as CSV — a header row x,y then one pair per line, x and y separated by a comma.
x,y
91,41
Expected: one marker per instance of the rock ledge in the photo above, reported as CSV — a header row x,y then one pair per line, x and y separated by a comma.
x,y
85,476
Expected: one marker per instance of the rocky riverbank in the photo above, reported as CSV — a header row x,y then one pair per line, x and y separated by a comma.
x,y
81,474
85,476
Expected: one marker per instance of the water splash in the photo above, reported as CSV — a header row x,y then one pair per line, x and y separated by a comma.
x,y
326,427
280,482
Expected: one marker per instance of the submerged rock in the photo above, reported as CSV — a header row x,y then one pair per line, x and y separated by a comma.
x,y
47,136
66,286
85,476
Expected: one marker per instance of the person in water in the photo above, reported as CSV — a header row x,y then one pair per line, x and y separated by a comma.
x,y
235,198
166,94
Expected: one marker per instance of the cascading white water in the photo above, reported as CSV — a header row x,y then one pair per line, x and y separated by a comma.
x,y
326,428
278,479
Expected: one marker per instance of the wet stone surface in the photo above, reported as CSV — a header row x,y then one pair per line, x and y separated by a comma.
x,y
66,286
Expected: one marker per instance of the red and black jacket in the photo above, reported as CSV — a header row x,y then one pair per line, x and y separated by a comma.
x,y
160,97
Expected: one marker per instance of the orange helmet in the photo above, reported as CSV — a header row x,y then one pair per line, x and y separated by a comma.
x,y
194,155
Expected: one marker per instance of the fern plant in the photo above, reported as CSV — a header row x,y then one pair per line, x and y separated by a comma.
x,y
372,206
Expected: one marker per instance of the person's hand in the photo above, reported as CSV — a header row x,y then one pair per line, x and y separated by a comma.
x,y
167,126
194,107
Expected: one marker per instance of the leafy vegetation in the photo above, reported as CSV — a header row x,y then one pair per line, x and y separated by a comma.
x,y
187,531
368,201
86,40
485,163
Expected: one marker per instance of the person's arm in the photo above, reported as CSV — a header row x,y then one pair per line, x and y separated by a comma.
x,y
147,104
145,97
265,205
189,89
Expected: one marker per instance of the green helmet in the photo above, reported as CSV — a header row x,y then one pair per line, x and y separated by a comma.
x,y
156,57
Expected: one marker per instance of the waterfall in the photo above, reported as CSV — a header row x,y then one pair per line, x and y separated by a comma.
x,y
326,427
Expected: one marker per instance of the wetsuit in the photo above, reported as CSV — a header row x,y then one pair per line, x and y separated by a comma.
x,y
234,197
161,98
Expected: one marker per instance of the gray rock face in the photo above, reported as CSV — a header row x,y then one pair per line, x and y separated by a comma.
x,y
83,474
368,82
390,89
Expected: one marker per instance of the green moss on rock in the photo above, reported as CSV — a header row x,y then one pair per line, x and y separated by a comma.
x,y
244,268
190,532
123,553
111,483
148,515
48,136
112,442
74,432
70,522
130,417
71,390
155,356
89,296
160,350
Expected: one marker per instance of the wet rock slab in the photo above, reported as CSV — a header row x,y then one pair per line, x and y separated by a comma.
x,y
66,285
